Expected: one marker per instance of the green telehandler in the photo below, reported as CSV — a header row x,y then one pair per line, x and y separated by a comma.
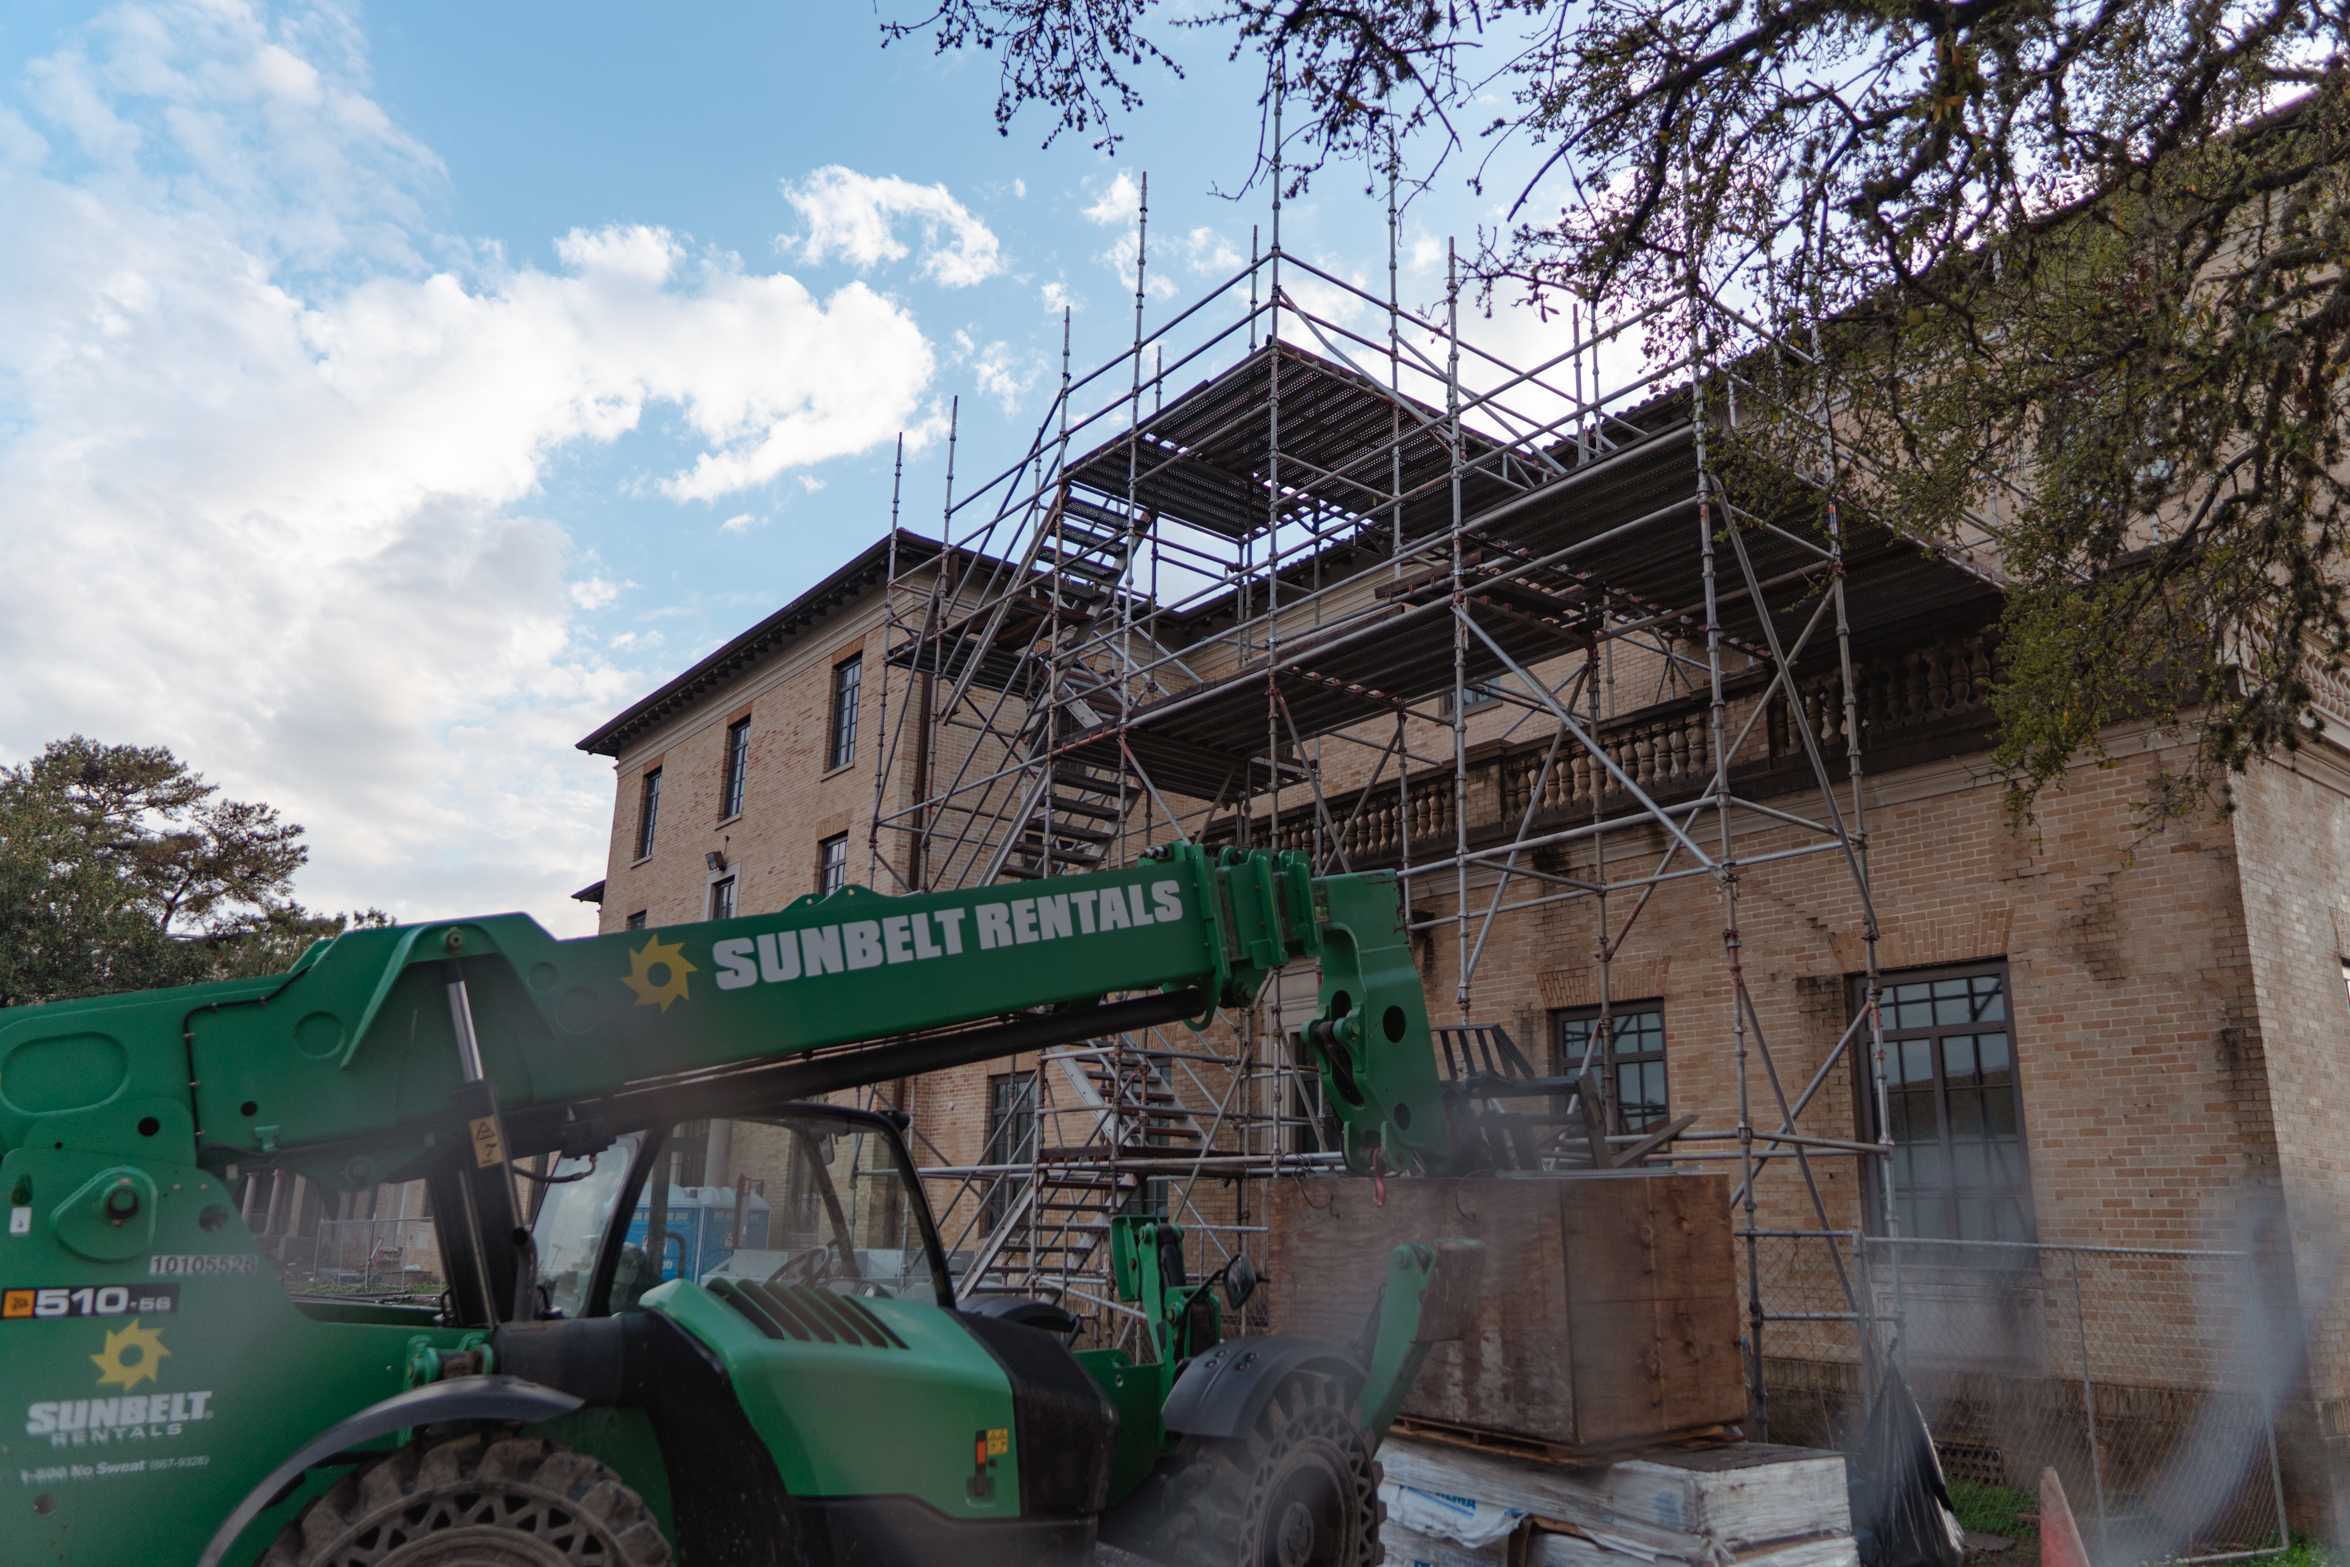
x,y
729,1332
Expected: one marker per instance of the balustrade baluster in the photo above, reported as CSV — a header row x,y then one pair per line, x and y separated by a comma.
x,y
1896,692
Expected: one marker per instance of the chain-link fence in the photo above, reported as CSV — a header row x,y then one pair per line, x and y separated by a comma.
x,y
373,1257
2147,1379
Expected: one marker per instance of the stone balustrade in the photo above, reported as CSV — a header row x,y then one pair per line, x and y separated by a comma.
x,y
1929,697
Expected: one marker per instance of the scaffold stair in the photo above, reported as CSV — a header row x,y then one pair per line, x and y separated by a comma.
x,y
1052,1230
1074,816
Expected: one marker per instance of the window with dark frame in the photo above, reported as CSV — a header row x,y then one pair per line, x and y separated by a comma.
x,y
832,863
1011,1137
847,677
1633,1066
689,1153
738,765
1483,694
722,898
1953,1107
636,921
648,813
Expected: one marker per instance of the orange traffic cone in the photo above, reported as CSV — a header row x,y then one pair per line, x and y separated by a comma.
x,y
2060,1537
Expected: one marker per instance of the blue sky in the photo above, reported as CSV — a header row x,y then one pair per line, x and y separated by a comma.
x,y
387,395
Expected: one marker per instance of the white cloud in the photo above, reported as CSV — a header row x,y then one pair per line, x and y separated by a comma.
x,y
597,592
856,216
1523,338
995,368
741,522
1118,202
1056,297
263,120
1019,190
65,94
1000,375
281,73
809,483
1326,300
636,254
290,468
1120,259
20,144
1208,252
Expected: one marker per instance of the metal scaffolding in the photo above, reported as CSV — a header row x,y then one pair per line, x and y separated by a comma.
x,y
1255,579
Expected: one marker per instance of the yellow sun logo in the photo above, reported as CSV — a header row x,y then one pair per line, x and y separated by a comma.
x,y
665,958
132,1355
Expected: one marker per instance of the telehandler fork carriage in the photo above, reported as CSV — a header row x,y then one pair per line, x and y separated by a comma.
x,y
729,1332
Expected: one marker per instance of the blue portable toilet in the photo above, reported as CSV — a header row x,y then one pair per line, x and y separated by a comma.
x,y
702,1221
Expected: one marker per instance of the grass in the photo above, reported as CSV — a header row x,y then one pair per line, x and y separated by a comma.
x,y
2015,1515
2004,1511
2303,1552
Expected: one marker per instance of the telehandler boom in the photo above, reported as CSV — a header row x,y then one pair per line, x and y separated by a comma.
x,y
729,1334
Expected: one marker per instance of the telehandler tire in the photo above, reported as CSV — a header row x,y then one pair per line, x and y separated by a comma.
x,y
1298,1489
475,1501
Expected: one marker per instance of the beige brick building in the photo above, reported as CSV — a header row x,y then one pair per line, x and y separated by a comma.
x,y
2108,1058
757,769
761,754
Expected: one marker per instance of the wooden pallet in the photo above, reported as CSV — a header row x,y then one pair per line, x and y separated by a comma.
x,y
1607,1314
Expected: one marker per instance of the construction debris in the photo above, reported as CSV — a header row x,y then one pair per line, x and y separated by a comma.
x,y
1748,1503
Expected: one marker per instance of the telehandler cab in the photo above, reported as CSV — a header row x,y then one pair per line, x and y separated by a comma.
x,y
729,1335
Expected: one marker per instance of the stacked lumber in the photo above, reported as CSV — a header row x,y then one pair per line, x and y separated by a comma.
x,y
1751,1504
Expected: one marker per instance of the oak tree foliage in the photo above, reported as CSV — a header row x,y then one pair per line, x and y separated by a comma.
x,y
2076,274
122,869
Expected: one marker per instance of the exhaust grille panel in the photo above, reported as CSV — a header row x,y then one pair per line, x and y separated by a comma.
x,y
805,1314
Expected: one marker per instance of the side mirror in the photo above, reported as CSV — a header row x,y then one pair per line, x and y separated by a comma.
x,y
1240,1281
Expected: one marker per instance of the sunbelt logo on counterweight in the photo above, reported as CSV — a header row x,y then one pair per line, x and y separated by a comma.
x,y
132,1357
780,957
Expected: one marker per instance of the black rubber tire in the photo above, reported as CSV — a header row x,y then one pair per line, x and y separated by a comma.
x,y
1299,1489
475,1501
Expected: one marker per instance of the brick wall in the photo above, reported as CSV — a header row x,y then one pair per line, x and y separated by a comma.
x,y
2292,827
791,799
2138,1052
2292,830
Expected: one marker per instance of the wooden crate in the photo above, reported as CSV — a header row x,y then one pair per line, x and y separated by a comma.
x,y
1607,1316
